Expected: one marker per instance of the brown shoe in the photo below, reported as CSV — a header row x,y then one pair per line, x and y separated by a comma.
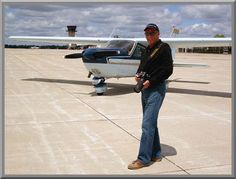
x,y
156,159
136,165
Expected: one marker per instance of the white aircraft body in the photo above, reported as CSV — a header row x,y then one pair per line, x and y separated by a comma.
x,y
120,57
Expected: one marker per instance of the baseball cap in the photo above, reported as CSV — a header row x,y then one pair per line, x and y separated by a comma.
x,y
153,26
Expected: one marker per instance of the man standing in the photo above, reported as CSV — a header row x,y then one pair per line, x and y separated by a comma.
x,y
158,64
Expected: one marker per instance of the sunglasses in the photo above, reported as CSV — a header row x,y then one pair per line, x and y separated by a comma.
x,y
150,33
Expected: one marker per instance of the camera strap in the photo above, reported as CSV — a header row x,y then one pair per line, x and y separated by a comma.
x,y
150,57
154,53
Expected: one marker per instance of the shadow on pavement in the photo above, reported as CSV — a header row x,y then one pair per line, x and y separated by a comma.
x,y
121,88
168,150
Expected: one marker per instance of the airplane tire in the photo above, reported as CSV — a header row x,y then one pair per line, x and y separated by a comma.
x,y
100,88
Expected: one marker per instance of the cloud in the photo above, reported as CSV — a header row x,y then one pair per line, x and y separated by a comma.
x,y
207,12
10,16
125,20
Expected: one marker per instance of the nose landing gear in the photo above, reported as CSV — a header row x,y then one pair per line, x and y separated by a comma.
x,y
99,85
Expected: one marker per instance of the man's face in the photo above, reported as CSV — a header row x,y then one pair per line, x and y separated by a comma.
x,y
152,36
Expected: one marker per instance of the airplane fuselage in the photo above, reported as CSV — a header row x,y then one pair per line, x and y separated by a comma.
x,y
113,62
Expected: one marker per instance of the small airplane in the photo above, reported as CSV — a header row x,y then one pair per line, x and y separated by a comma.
x,y
120,57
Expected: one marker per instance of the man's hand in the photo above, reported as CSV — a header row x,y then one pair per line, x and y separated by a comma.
x,y
136,78
146,84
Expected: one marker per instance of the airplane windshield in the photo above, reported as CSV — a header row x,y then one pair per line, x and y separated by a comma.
x,y
125,44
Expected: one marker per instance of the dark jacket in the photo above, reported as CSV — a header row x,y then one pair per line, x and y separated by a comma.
x,y
160,67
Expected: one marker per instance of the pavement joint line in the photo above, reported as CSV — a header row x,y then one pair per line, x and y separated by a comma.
x,y
57,66
169,172
98,112
208,167
196,168
200,112
22,61
59,150
176,165
44,140
42,123
115,119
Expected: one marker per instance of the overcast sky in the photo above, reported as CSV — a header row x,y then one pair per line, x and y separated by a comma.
x,y
123,19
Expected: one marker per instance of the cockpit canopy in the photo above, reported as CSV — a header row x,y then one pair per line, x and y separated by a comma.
x,y
124,44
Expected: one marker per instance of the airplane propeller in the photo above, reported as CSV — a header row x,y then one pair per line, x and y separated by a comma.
x,y
74,55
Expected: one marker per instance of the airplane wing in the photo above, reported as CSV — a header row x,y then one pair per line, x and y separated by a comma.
x,y
64,40
67,40
173,42
198,42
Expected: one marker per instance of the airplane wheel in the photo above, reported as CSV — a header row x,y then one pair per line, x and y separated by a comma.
x,y
101,88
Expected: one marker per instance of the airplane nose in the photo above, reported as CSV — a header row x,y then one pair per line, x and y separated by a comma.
x,y
98,55
88,55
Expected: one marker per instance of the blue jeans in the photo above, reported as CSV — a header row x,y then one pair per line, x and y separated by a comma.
x,y
150,145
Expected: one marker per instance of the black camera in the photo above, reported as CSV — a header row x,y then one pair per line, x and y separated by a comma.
x,y
143,77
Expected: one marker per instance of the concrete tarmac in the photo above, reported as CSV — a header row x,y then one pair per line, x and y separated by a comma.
x,y
56,124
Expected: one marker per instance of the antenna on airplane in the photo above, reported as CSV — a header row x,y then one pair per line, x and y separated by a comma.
x,y
113,30
174,31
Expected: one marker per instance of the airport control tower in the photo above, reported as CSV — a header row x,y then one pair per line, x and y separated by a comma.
x,y
71,29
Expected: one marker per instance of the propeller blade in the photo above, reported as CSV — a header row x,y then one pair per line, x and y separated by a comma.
x,y
74,55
